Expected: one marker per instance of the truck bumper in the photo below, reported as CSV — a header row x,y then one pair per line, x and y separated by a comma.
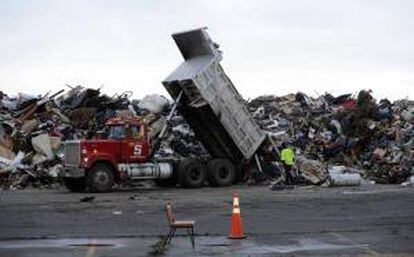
x,y
73,172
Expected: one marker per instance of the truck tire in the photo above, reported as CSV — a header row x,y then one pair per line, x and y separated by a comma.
x,y
100,178
191,173
75,184
221,172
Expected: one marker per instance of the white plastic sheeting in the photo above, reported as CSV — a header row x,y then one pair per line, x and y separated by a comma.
x,y
153,103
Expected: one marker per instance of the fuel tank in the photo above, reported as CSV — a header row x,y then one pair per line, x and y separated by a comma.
x,y
147,170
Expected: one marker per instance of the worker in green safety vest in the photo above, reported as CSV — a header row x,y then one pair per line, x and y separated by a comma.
x,y
287,156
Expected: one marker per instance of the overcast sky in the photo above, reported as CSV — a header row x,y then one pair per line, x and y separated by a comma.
x,y
270,47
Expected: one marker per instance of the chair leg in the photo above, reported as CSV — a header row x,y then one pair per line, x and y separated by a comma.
x,y
192,238
189,234
167,238
172,235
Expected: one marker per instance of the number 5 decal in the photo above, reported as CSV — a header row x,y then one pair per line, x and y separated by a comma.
x,y
137,149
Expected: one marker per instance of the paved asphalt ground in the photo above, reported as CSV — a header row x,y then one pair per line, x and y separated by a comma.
x,y
370,220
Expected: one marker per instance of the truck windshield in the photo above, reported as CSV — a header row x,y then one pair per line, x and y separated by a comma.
x,y
117,132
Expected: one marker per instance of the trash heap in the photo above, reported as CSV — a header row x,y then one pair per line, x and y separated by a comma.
x,y
32,129
374,139
331,136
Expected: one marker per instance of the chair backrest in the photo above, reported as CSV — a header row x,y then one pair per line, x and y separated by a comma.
x,y
169,212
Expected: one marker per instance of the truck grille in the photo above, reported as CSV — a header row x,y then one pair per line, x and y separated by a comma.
x,y
72,153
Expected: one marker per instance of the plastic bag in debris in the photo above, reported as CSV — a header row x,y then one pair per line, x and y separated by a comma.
x,y
42,145
18,160
14,103
153,103
183,129
408,114
9,104
12,165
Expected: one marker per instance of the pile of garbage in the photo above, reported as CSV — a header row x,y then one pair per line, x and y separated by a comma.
x,y
33,129
369,138
331,136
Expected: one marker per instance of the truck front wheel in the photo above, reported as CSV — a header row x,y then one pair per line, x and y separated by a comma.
x,y
221,172
191,173
75,184
100,178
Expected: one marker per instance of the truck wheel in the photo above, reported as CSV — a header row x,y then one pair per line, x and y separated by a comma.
x,y
75,184
191,173
100,178
221,172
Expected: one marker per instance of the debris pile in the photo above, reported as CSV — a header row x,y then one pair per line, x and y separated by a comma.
x,y
362,137
181,142
373,139
32,129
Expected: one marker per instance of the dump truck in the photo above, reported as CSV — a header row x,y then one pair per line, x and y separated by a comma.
x,y
211,105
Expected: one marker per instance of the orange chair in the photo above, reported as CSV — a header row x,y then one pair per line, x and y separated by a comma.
x,y
176,224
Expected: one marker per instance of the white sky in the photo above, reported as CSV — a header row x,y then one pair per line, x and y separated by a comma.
x,y
270,46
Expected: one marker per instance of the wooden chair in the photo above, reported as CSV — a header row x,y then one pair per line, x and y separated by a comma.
x,y
177,224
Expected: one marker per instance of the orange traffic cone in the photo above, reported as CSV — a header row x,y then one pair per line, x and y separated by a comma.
x,y
236,231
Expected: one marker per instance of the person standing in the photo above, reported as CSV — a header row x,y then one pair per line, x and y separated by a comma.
x,y
287,156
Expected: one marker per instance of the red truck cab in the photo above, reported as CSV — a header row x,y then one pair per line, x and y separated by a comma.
x,y
125,153
127,142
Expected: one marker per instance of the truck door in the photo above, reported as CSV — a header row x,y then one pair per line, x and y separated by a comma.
x,y
118,137
135,149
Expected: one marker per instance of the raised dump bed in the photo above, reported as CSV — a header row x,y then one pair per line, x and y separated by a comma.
x,y
210,103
